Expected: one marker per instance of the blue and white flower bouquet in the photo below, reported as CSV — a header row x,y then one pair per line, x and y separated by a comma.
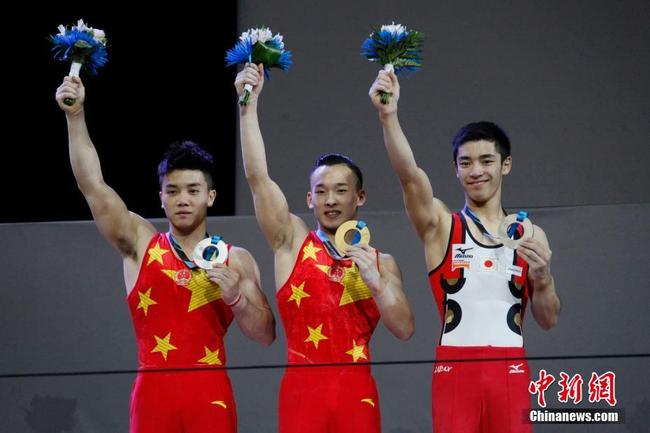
x,y
259,45
83,46
395,48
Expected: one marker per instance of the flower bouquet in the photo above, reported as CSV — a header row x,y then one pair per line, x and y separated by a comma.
x,y
394,47
82,45
258,45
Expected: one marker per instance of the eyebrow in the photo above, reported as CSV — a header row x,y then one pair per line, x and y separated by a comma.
x,y
484,156
189,185
322,185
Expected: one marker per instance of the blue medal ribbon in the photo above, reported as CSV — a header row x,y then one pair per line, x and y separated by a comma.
x,y
329,246
179,250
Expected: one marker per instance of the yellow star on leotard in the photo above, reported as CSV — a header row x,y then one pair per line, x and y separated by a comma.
x,y
163,345
210,358
203,290
315,335
354,289
309,252
298,293
145,301
156,253
357,351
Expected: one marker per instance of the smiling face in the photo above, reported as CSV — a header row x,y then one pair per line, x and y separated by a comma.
x,y
334,196
480,171
185,196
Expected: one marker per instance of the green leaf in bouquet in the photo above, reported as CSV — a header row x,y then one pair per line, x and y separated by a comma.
x,y
265,54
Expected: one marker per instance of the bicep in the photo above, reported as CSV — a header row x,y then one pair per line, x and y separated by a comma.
x,y
272,213
249,277
114,221
423,209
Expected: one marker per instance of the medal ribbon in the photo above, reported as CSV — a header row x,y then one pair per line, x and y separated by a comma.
x,y
179,250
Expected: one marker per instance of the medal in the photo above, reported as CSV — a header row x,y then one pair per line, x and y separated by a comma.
x,y
210,251
350,233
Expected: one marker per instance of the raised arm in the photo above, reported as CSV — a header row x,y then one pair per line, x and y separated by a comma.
x,y
424,210
279,226
385,283
119,226
241,290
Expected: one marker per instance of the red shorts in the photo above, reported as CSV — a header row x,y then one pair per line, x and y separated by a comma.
x,y
183,402
329,399
480,397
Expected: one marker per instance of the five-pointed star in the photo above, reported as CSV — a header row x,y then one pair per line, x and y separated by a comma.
x,y
309,252
156,253
163,345
203,290
357,351
210,358
297,293
354,289
145,301
315,335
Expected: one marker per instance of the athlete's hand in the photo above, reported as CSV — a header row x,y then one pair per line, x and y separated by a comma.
x,y
385,82
251,74
227,279
365,257
538,256
72,88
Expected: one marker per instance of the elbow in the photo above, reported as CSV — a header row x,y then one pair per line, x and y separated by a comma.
x,y
269,336
550,322
405,332
255,178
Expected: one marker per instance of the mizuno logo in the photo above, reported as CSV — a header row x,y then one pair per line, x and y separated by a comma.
x,y
464,250
516,368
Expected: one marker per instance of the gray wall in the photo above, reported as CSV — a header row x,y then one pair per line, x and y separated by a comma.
x,y
63,310
568,80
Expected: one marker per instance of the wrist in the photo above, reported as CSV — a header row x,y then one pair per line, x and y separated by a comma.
x,y
76,115
234,301
386,117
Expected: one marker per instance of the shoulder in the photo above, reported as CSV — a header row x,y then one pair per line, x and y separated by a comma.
x,y
242,261
239,255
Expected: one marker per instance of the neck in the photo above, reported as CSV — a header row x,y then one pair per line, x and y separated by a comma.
x,y
490,210
330,234
188,238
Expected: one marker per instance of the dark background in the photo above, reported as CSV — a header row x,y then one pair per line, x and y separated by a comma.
x,y
165,81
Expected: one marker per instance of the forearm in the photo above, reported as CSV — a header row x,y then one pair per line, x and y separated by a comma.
x,y
545,304
83,155
252,144
394,309
398,148
256,322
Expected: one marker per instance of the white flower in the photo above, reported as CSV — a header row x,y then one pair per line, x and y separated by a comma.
x,y
61,29
81,26
393,28
262,35
278,40
99,35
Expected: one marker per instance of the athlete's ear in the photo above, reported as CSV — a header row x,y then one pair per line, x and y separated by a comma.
x,y
506,166
361,197
212,195
310,205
